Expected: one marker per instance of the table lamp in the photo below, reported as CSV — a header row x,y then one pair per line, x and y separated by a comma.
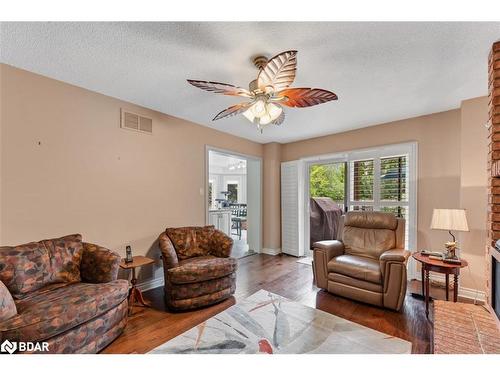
x,y
450,220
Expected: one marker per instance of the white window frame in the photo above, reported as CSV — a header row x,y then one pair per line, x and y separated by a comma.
x,y
376,153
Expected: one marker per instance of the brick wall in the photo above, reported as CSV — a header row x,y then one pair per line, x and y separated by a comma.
x,y
493,159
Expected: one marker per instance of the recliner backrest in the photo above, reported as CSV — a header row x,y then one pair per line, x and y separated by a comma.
x,y
369,234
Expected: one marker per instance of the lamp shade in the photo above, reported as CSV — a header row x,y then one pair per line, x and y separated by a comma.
x,y
449,219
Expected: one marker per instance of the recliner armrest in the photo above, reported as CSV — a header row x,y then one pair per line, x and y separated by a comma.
x,y
332,248
393,268
395,255
323,252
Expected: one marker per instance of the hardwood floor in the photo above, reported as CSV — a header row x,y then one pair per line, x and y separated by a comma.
x,y
150,327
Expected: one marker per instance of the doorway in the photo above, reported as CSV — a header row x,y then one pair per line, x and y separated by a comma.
x,y
234,198
327,200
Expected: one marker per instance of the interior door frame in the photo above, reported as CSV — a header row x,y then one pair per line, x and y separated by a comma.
x,y
258,159
357,154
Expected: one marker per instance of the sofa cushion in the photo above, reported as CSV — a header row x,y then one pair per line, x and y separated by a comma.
x,y
57,308
7,305
361,268
26,268
200,269
191,241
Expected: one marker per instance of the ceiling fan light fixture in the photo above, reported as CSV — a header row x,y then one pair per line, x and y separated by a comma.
x,y
271,86
249,114
274,110
259,107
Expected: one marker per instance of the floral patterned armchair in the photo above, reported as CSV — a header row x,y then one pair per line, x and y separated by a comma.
x,y
197,267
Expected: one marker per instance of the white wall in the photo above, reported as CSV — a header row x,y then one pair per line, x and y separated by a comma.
x,y
220,182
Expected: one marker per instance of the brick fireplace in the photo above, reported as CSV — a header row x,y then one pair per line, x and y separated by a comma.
x,y
492,254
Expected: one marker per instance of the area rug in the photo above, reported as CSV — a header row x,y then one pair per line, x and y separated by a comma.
x,y
464,328
268,323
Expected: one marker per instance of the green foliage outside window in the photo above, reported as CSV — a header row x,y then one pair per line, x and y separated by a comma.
x,y
327,180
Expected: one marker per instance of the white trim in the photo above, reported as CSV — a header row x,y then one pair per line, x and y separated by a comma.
x,y
269,251
150,284
247,157
410,148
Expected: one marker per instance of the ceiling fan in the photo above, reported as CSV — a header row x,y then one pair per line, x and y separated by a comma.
x,y
269,92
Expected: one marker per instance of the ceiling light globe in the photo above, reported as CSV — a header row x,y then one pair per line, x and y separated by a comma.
x,y
259,108
273,110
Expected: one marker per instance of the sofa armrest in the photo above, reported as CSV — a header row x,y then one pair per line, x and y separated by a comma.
x,y
7,306
99,265
220,244
168,253
323,252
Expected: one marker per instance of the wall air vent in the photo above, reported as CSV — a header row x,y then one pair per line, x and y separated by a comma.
x,y
136,122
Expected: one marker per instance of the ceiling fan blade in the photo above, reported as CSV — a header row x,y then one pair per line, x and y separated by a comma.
x,y
279,72
306,97
233,110
220,88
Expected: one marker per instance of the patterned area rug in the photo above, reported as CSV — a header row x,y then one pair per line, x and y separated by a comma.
x,y
268,323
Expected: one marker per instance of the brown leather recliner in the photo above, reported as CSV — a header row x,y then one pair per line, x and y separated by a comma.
x,y
368,262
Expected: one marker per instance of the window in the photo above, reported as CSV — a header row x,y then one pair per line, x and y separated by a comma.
x,y
233,193
362,181
393,172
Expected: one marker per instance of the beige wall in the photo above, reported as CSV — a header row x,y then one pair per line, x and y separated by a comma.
x,y
272,197
441,147
473,184
66,166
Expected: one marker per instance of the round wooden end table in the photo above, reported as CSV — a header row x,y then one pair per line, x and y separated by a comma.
x,y
135,294
439,266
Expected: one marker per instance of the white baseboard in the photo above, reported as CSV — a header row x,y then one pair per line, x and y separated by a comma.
x,y
150,284
269,251
469,293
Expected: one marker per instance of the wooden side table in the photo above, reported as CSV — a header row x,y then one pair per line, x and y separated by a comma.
x,y
439,266
135,295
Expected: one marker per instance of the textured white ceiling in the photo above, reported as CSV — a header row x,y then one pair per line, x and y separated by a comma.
x,y
380,71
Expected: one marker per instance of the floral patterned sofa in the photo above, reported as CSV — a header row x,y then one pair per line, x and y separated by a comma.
x,y
62,291
197,267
